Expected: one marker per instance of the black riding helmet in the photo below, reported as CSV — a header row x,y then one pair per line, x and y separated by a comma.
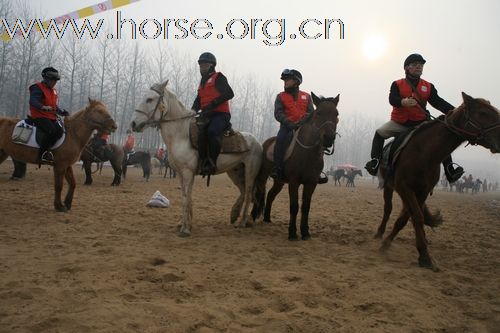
x,y
414,57
292,74
50,73
207,57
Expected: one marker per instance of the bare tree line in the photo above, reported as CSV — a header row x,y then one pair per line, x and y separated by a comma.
x,y
119,72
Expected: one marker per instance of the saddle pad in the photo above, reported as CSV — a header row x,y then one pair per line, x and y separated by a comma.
x,y
235,143
32,141
289,150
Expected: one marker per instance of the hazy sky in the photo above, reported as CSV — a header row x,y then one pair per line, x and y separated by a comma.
x,y
459,40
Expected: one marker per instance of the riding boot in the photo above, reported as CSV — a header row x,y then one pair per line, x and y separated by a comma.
x,y
202,150
376,154
44,155
452,174
214,147
279,156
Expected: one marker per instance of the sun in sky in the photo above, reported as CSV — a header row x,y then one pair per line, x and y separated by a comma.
x,y
374,47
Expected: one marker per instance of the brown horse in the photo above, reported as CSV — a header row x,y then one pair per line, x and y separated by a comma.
x,y
417,168
88,156
79,128
303,167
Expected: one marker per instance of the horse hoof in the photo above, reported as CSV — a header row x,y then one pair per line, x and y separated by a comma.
x,y
385,246
378,235
267,221
62,209
293,238
426,262
184,234
306,237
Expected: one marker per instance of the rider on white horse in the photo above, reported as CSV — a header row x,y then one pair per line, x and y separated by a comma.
x,y
213,98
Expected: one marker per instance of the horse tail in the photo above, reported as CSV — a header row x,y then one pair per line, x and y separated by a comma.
x,y
259,191
432,220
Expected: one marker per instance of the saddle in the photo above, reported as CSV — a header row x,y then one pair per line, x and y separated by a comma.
x,y
393,148
292,142
26,133
232,142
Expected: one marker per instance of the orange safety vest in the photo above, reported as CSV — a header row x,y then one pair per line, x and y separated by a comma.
x,y
129,144
208,92
295,110
49,99
415,113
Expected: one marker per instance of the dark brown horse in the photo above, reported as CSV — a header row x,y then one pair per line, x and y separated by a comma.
x,y
115,158
350,175
303,167
417,168
79,127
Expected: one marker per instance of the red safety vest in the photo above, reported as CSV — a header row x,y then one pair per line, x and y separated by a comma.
x,y
129,144
208,92
415,113
49,99
295,110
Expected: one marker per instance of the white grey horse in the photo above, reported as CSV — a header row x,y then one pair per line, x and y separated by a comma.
x,y
160,107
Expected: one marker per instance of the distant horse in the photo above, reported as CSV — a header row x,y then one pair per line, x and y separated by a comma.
x,y
351,174
89,156
168,169
417,168
79,127
162,108
143,158
303,167
337,176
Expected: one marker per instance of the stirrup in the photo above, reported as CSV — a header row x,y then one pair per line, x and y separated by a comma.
x,y
452,174
323,178
47,157
372,166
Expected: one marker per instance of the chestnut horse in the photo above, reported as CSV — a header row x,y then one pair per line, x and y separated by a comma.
x,y
303,167
79,127
417,168
161,108
88,157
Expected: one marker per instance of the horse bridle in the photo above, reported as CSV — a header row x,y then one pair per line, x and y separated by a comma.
x,y
163,114
316,130
472,137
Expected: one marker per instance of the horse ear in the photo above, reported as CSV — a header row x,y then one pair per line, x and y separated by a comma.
x,y
336,100
91,100
164,85
467,99
316,99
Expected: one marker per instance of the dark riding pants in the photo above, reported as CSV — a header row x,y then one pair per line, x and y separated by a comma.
x,y
282,139
210,135
50,132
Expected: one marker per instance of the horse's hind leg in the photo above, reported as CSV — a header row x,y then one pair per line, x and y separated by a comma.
x,y
237,175
398,226
87,166
388,192
117,168
70,178
271,195
293,192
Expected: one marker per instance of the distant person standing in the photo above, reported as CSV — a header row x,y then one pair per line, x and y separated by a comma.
x,y
129,145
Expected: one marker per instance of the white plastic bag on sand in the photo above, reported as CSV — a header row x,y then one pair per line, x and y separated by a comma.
x,y
158,200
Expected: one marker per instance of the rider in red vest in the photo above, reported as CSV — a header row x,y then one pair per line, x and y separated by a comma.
x,y
43,111
213,98
409,97
98,143
290,109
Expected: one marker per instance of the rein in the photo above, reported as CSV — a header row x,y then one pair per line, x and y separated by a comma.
x,y
318,141
472,137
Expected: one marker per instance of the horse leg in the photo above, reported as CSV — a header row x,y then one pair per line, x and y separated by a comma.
x,y
398,226
293,192
58,186
417,217
388,192
237,176
307,193
271,195
117,168
70,178
187,180
87,166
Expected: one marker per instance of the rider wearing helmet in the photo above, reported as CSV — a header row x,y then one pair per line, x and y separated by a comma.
x,y
213,98
290,108
43,111
409,97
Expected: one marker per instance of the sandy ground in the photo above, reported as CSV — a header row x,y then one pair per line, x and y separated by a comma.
x,y
114,265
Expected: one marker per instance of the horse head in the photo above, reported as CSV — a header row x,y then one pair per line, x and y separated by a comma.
x,y
477,121
152,109
325,119
98,116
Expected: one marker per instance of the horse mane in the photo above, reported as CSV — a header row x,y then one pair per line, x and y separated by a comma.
x,y
173,100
